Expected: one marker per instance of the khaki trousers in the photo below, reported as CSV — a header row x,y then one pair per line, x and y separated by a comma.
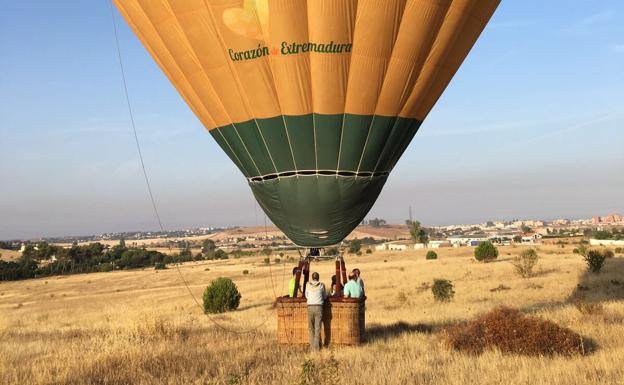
x,y
315,318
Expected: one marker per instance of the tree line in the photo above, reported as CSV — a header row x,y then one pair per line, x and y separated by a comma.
x,y
43,259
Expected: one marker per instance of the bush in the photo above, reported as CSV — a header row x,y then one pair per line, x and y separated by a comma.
x,y
277,260
510,331
105,267
486,252
431,255
266,260
525,263
582,250
442,290
220,254
619,250
369,251
354,246
608,253
595,259
332,251
245,272
221,295
160,266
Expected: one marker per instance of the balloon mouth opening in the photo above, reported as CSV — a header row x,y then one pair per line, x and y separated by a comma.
x,y
337,173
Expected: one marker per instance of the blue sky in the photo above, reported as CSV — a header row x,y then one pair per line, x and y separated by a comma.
x,y
530,127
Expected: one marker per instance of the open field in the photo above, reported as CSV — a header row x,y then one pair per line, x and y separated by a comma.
x,y
9,255
142,327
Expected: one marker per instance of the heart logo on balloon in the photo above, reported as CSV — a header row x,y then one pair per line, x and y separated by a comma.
x,y
251,21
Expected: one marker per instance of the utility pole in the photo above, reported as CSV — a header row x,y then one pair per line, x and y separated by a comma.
x,y
410,214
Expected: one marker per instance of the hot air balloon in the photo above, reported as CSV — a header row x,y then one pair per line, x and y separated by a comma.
x,y
314,101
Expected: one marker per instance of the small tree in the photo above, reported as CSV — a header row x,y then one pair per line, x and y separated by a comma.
x,y
355,246
417,232
442,290
486,252
525,263
595,259
221,295
267,251
431,255
220,254
208,248
332,251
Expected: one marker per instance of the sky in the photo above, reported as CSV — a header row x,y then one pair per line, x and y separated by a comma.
x,y
530,127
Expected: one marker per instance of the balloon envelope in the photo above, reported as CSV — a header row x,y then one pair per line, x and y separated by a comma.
x,y
314,101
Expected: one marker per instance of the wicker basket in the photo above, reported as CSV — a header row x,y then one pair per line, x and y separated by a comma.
x,y
343,321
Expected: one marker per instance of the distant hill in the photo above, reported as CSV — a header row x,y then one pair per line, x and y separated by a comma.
x,y
384,232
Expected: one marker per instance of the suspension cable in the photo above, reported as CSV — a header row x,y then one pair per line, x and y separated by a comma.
x,y
151,195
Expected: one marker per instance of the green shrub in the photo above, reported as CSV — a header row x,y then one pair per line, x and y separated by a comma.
x,y
525,263
595,259
582,250
486,252
221,295
105,267
359,253
266,260
332,251
245,272
442,290
354,246
220,254
619,250
277,260
160,266
369,251
431,255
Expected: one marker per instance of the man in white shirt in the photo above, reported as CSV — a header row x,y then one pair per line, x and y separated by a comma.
x,y
316,296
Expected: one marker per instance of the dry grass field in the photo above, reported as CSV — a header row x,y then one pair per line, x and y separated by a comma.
x,y
9,255
142,327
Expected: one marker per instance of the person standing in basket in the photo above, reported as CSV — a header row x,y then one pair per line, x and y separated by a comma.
x,y
359,279
316,296
353,289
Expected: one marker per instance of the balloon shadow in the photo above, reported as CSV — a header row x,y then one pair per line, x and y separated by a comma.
x,y
376,332
606,285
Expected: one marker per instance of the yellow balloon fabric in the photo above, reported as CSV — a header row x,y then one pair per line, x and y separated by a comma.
x,y
316,100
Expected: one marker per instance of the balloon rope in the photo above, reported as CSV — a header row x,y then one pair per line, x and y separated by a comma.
x,y
134,130
149,188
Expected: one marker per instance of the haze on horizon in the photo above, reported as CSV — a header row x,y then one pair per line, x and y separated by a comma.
x,y
530,127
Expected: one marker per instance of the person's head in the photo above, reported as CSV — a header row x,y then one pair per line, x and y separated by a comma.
x,y
315,276
352,277
333,279
356,272
295,270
